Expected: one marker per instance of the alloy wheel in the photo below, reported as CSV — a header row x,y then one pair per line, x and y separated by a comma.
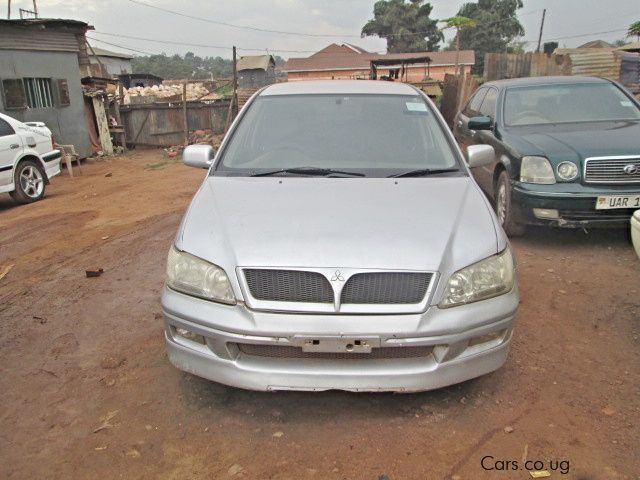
x,y
31,181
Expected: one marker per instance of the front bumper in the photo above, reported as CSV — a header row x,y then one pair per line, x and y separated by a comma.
x,y
576,206
451,339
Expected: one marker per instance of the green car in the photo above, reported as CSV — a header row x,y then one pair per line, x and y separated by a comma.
x,y
567,151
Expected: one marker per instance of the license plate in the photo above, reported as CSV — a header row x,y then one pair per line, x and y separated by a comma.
x,y
609,202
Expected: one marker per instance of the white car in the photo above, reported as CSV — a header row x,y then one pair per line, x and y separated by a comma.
x,y
27,159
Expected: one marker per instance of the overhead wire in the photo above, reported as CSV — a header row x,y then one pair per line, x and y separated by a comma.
x,y
282,32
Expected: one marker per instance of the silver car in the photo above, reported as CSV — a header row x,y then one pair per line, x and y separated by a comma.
x,y
338,241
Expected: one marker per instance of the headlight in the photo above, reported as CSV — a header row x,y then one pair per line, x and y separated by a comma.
x,y
194,276
567,170
536,170
488,278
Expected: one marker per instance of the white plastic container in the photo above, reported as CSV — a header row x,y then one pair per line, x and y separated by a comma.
x,y
635,231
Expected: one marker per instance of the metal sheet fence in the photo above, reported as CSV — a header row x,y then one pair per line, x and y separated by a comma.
x,y
162,125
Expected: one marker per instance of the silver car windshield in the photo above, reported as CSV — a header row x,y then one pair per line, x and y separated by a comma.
x,y
567,103
373,135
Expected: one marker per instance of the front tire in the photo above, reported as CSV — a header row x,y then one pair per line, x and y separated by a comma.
x,y
504,207
29,181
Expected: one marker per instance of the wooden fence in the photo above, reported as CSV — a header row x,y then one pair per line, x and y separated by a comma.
x,y
455,92
515,65
163,125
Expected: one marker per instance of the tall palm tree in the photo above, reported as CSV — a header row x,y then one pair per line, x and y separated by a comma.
x,y
459,23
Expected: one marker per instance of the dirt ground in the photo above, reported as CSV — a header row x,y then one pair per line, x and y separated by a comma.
x,y
86,390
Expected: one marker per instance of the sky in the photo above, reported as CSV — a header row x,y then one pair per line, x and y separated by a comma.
x,y
305,26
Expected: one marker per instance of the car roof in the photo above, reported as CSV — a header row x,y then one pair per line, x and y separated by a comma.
x,y
530,81
319,87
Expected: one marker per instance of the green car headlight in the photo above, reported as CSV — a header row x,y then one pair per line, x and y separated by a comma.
x,y
488,278
536,170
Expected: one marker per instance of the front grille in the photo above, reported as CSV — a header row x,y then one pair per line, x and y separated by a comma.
x,y
385,288
611,170
616,214
278,351
289,286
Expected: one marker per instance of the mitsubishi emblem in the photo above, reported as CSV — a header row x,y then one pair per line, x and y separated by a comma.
x,y
337,276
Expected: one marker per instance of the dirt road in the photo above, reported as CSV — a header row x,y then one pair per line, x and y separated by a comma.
x,y
86,390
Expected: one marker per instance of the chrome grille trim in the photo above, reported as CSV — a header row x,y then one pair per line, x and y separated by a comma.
x,y
286,352
385,288
610,169
289,286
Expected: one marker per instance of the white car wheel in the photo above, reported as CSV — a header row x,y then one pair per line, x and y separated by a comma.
x,y
29,182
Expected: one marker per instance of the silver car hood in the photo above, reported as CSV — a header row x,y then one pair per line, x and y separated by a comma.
x,y
435,224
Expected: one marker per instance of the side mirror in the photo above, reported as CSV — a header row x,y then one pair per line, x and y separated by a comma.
x,y
480,155
480,123
199,156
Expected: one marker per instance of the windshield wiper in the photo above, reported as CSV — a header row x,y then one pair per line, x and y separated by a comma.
x,y
308,171
423,172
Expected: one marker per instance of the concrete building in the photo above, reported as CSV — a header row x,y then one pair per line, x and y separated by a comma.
x,y
41,64
346,61
115,63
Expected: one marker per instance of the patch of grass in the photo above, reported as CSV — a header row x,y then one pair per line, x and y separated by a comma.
x,y
163,163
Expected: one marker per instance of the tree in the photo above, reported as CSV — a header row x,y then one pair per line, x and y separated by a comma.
x,y
496,27
459,23
406,26
634,30
178,67
547,47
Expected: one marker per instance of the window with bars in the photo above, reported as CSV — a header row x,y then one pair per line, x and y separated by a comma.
x,y
13,93
19,93
38,92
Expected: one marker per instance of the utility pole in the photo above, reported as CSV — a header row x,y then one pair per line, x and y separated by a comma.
x,y
9,11
544,12
235,78
234,95
35,9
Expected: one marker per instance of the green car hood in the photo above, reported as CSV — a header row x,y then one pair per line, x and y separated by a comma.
x,y
575,141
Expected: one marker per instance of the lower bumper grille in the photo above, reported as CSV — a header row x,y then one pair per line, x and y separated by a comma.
x,y
602,215
278,351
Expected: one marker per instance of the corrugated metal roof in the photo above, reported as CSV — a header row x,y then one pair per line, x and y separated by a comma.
x,y
46,22
101,52
254,62
41,34
630,47
45,40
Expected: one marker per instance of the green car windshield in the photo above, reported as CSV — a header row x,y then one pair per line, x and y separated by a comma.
x,y
567,103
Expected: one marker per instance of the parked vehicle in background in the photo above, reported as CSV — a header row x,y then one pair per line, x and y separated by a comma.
x,y
339,242
567,150
27,159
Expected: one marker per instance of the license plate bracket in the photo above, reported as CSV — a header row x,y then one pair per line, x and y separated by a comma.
x,y
337,344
